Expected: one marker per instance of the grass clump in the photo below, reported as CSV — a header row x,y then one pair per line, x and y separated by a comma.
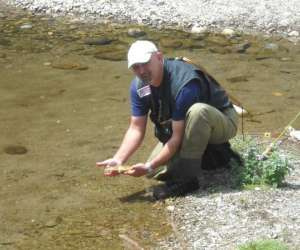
x,y
264,245
254,171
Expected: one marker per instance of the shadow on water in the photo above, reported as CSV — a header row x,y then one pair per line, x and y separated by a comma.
x,y
65,105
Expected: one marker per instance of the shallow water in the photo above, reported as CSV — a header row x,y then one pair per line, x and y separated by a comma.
x,y
63,109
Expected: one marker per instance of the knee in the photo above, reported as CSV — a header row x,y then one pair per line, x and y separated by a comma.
x,y
199,109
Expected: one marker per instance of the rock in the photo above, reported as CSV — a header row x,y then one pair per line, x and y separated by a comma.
x,y
170,43
15,150
293,40
285,59
271,46
235,79
294,33
68,66
98,41
135,32
218,40
5,42
241,48
54,222
228,32
118,55
198,30
219,50
26,26
170,208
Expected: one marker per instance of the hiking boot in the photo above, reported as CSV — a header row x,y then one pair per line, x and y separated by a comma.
x,y
173,189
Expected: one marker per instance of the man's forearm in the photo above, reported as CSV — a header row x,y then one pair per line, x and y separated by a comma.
x,y
167,152
172,145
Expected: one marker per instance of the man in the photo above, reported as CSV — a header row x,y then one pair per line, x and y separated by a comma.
x,y
190,111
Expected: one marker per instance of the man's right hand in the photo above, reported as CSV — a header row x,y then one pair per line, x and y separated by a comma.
x,y
110,166
108,163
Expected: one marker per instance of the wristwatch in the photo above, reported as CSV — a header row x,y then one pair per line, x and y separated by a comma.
x,y
149,167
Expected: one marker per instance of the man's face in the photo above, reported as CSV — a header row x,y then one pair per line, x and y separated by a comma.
x,y
152,71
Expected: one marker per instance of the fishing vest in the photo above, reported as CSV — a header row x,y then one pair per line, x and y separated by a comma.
x,y
177,74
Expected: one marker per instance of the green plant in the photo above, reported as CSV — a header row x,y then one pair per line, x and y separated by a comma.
x,y
264,245
254,171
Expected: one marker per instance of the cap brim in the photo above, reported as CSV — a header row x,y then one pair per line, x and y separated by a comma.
x,y
139,59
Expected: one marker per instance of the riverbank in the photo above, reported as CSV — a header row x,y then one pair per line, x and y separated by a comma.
x,y
268,17
219,217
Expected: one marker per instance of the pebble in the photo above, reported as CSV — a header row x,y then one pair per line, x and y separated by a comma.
x,y
135,32
198,30
26,26
170,208
271,46
294,33
228,32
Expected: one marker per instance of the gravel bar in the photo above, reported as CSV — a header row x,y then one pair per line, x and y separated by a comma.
x,y
267,16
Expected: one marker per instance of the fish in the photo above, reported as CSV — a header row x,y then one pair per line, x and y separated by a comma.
x,y
116,170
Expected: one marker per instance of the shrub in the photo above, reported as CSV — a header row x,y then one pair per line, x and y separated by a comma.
x,y
254,171
264,245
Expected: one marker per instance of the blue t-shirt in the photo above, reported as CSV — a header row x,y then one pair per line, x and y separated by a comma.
x,y
187,96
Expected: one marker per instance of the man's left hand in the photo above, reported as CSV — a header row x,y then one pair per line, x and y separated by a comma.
x,y
138,170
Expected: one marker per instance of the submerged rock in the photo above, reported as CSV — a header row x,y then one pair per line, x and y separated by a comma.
x,y
170,43
136,32
5,42
68,66
198,30
98,41
15,150
111,53
241,48
235,79
26,26
228,32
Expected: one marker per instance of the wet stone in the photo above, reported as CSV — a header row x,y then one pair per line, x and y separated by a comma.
x,y
220,50
118,55
194,44
135,32
54,222
26,26
170,43
241,48
69,66
271,46
111,53
218,40
98,41
5,42
237,79
15,150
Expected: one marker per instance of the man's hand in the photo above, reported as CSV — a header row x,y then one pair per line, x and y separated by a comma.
x,y
139,169
110,166
108,163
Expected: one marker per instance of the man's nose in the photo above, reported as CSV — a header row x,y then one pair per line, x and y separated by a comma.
x,y
140,69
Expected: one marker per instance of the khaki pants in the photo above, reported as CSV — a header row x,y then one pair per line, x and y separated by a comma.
x,y
204,125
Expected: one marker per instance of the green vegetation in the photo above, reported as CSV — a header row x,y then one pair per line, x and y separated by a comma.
x,y
264,245
257,172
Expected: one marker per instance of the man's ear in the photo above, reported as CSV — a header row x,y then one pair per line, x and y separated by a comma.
x,y
160,56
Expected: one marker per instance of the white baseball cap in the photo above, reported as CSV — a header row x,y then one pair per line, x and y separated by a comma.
x,y
140,52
